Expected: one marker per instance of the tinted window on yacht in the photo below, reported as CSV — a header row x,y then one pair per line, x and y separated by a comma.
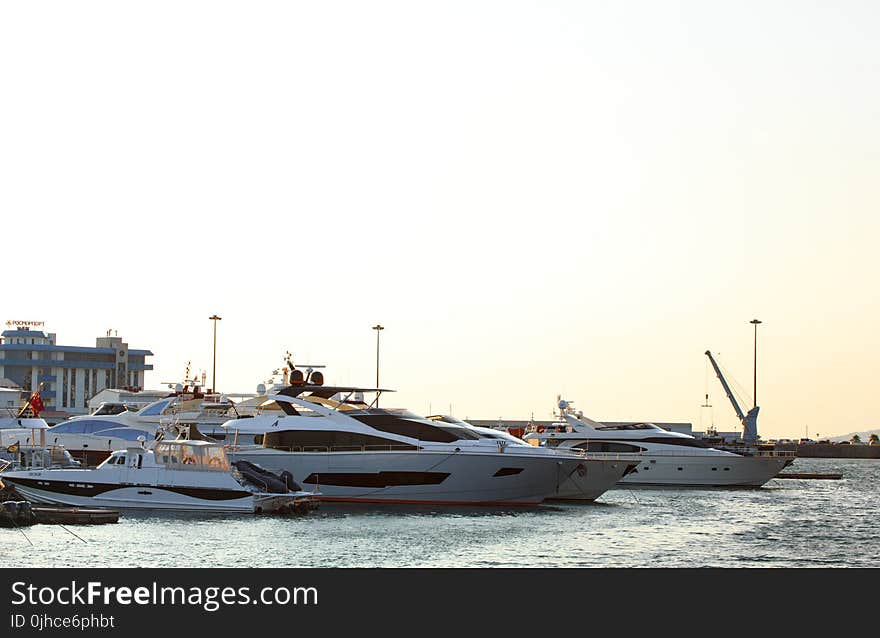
x,y
608,446
129,434
417,429
81,426
287,408
629,426
335,440
674,441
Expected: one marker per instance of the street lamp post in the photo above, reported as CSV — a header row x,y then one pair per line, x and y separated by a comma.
x,y
378,328
215,319
755,323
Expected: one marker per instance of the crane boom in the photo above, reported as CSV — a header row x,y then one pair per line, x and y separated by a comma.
x,y
749,421
726,387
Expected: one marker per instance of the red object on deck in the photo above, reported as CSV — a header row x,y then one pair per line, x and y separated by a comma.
x,y
37,404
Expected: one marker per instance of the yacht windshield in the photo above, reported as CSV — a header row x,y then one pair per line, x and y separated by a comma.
x,y
155,409
181,455
629,426
405,423
110,409
333,404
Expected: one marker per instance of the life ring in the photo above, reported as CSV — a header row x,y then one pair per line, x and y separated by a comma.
x,y
189,460
215,462
540,429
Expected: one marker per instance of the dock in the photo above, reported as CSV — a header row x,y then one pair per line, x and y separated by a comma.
x,y
23,514
75,515
832,476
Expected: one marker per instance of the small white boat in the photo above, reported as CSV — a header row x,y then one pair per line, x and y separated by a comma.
x,y
171,475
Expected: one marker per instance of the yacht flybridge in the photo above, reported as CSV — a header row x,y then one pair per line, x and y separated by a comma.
x,y
170,475
330,438
669,458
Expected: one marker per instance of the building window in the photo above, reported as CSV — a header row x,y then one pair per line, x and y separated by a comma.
x,y
64,375
73,387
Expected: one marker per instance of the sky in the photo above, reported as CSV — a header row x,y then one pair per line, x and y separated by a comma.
x,y
534,198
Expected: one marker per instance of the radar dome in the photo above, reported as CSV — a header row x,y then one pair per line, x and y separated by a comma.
x,y
317,378
563,404
178,387
261,388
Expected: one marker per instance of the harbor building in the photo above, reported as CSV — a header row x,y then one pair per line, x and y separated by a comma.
x,y
70,375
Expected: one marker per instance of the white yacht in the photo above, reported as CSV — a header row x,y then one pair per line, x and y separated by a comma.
x,y
669,458
598,472
114,426
330,438
170,475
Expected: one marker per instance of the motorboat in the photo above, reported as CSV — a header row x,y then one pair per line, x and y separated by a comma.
x,y
597,473
329,437
669,459
168,475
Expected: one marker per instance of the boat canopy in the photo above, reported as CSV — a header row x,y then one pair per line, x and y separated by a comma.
x,y
196,455
326,391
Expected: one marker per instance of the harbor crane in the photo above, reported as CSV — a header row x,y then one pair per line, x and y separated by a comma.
x,y
749,420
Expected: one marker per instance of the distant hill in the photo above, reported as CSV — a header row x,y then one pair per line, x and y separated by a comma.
x,y
864,436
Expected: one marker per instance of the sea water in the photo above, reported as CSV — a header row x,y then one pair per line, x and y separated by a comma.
x,y
786,523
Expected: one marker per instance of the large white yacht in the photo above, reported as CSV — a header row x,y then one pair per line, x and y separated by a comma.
x,y
329,438
170,475
669,458
598,473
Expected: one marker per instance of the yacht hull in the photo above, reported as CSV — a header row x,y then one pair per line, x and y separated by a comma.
x,y
420,477
592,479
705,471
132,497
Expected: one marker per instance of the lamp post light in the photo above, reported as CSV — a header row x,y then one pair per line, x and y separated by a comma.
x,y
215,319
755,323
378,328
